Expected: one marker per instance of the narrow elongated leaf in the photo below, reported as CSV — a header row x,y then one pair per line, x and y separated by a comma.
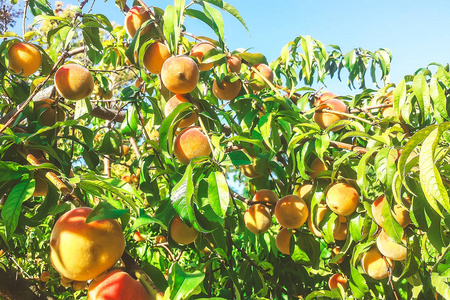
x,y
216,20
10,170
228,8
13,205
218,193
362,171
422,92
182,284
430,179
438,96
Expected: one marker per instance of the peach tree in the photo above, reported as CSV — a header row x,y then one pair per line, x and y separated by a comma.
x,y
231,177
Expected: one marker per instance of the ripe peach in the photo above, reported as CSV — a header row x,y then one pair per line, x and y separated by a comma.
x,y
335,251
304,190
291,211
154,57
191,143
325,119
79,250
47,113
181,233
159,239
234,63
249,171
267,197
375,265
324,97
340,233
226,90
259,83
137,236
40,188
199,51
24,59
337,232
389,248
134,19
317,166
342,199
283,241
180,74
74,82
257,218
117,285
173,103
338,279
400,214
45,276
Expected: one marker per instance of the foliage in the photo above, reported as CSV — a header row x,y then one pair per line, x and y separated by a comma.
x,y
403,156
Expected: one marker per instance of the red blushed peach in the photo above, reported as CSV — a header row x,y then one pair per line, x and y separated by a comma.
x,y
173,103
391,249
180,74
191,143
400,214
337,279
117,285
324,97
259,83
74,82
234,63
199,51
134,19
24,58
227,90
325,119
155,56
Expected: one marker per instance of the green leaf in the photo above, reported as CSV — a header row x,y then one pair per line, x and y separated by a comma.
x,y
438,96
430,179
228,8
216,20
130,124
320,294
182,284
253,58
181,197
239,158
105,211
385,166
422,92
218,193
441,284
13,205
11,170
390,225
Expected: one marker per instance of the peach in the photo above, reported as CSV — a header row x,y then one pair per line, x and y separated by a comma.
x,y
45,276
335,251
134,19
249,171
266,197
257,218
304,190
340,233
389,248
74,82
24,59
321,212
181,233
199,51
400,214
283,241
117,285
160,239
48,113
337,279
291,211
317,166
154,57
226,90
191,143
375,265
325,119
173,103
137,236
180,74
81,251
324,97
342,199
258,82
234,63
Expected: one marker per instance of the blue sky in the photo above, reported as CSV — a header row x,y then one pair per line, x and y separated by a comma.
x,y
415,31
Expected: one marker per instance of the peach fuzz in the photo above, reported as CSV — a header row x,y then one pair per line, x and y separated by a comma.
x,y
375,265
81,251
324,119
226,90
257,218
199,51
181,233
134,19
283,241
342,198
258,82
173,103
180,74
191,143
291,211
74,82
389,248
117,285
400,214
24,59
154,57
